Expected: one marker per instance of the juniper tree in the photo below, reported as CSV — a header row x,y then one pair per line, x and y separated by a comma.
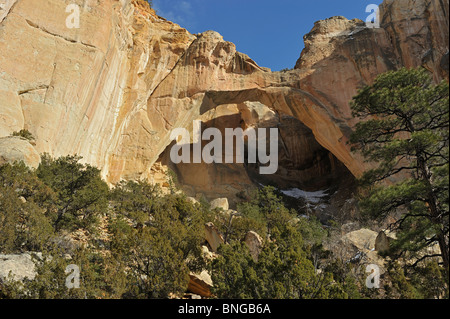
x,y
24,200
284,268
155,239
404,132
81,194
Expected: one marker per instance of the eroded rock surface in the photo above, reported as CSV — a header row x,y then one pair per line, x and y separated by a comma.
x,y
113,90
17,149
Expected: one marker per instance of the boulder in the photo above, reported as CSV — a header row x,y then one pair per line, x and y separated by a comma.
x,y
254,243
192,200
200,284
207,254
213,236
359,246
382,242
18,149
220,203
363,239
20,266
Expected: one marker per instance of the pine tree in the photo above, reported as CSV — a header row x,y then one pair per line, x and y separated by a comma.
x,y
404,132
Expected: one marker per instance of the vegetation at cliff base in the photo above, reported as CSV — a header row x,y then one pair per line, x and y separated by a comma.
x,y
134,241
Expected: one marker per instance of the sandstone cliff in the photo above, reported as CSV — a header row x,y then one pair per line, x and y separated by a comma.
x,y
112,90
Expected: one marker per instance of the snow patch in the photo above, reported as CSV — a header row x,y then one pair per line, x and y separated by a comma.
x,y
310,197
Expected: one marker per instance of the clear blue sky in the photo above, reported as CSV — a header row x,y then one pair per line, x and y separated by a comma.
x,y
270,32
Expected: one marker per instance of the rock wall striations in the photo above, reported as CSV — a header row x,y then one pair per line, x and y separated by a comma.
x,y
113,89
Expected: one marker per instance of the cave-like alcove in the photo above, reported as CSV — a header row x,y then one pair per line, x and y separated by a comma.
x,y
309,176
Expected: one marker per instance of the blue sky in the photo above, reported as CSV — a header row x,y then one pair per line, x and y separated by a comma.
x,y
270,32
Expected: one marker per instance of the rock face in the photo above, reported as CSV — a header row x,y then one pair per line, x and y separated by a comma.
x,y
114,89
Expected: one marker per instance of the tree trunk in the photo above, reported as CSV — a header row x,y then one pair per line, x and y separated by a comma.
x,y
435,215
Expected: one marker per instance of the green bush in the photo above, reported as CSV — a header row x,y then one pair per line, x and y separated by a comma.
x,y
25,134
81,196
157,238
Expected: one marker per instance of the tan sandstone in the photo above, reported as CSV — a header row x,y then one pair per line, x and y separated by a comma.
x,y
113,90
